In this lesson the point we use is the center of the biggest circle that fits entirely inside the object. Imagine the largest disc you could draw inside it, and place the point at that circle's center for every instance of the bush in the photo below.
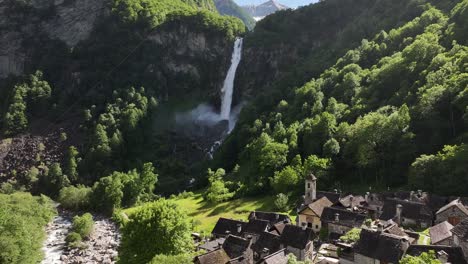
(73, 240)
(282, 202)
(22, 221)
(75, 198)
(83, 225)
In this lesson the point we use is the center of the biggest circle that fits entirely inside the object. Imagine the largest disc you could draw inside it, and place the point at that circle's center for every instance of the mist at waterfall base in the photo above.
(204, 121)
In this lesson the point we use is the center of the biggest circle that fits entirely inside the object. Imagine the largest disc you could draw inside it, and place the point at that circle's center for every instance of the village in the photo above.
(332, 227)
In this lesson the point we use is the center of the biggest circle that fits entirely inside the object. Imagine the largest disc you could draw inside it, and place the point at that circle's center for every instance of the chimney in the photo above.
(419, 193)
(249, 237)
(239, 228)
(411, 195)
(266, 251)
(366, 197)
(277, 217)
(228, 232)
(253, 215)
(399, 209)
(351, 198)
(335, 190)
(379, 228)
(337, 217)
(304, 226)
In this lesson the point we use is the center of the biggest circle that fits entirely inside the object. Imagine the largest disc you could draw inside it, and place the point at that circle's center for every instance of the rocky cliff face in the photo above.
(191, 59)
(67, 21)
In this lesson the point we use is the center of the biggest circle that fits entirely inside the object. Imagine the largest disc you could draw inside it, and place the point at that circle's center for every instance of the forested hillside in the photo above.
(390, 112)
(230, 8)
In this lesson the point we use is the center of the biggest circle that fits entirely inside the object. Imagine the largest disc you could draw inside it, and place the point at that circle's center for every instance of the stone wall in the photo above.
(454, 211)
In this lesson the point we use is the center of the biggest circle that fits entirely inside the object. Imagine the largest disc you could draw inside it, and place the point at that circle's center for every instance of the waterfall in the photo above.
(228, 87)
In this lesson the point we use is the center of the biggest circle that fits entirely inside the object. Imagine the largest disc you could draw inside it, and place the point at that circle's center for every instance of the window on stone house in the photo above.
(316, 226)
(308, 185)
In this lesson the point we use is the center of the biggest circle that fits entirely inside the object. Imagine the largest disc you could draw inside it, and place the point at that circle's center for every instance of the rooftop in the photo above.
(440, 232)
(346, 218)
(381, 246)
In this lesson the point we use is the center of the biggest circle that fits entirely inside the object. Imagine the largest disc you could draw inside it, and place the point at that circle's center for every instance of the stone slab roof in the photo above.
(346, 218)
(296, 237)
(381, 246)
(272, 217)
(455, 203)
(235, 246)
(215, 257)
(224, 224)
(269, 241)
(411, 210)
(440, 232)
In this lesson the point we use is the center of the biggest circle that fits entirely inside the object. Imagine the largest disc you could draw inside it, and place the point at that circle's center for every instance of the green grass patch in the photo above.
(205, 215)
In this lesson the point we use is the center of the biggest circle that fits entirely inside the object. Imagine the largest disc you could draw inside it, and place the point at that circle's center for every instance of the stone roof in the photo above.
(440, 232)
(214, 257)
(381, 246)
(461, 230)
(311, 177)
(279, 257)
(278, 228)
(256, 226)
(318, 206)
(236, 246)
(267, 240)
(223, 225)
(455, 203)
(333, 197)
(296, 237)
(272, 217)
(212, 245)
(455, 254)
(410, 210)
(346, 218)
(351, 201)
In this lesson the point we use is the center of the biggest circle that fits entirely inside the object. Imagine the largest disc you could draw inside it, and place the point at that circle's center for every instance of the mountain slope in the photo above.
(230, 8)
(106, 65)
(258, 12)
(363, 120)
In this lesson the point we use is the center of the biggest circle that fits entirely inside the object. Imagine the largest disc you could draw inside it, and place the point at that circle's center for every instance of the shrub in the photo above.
(73, 240)
(75, 198)
(282, 202)
(83, 225)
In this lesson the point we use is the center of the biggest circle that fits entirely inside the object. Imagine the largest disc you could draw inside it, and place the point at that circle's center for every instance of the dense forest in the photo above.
(390, 112)
(363, 93)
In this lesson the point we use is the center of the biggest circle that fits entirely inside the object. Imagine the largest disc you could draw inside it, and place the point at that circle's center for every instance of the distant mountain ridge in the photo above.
(230, 8)
(258, 12)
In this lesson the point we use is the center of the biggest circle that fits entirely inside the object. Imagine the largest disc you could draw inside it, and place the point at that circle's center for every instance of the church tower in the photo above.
(310, 188)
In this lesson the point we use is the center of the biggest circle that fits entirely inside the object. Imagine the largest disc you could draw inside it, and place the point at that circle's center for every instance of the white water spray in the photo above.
(228, 87)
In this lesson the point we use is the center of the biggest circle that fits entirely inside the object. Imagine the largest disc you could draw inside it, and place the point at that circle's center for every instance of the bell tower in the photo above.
(310, 188)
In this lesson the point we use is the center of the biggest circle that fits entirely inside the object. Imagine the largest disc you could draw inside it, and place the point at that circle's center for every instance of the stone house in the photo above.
(460, 236)
(441, 234)
(407, 213)
(454, 213)
(310, 214)
(377, 247)
(339, 221)
(298, 241)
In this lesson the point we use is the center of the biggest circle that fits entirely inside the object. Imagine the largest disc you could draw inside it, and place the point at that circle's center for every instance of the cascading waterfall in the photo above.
(228, 86)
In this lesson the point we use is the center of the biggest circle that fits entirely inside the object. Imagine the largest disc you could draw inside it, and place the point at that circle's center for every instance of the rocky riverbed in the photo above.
(100, 247)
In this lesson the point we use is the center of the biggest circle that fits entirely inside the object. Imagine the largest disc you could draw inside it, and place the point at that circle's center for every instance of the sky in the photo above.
(290, 3)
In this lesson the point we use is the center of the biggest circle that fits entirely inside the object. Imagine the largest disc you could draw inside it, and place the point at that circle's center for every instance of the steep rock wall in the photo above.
(65, 20)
